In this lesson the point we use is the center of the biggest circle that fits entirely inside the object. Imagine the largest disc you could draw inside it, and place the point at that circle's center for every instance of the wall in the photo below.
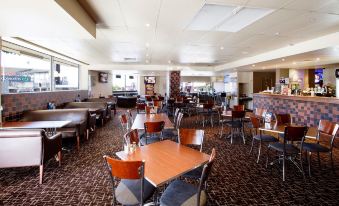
(297, 76)
(15, 104)
(98, 88)
(194, 79)
(83, 79)
(263, 79)
(329, 76)
(159, 87)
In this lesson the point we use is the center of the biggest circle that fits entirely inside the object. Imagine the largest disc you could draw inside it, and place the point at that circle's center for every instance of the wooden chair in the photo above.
(191, 137)
(179, 192)
(130, 117)
(158, 103)
(133, 189)
(239, 108)
(153, 132)
(141, 108)
(131, 137)
(148, 109)
(173, 133)
(287, 149)
(328, 130)
(283, 119)
(124, 123)
(237, 124)
(256, 122)
(207, 111)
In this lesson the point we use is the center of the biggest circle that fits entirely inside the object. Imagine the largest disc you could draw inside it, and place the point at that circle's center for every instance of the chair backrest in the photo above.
(132, 136)
(239, 108)
(329, 129)
(154, 127)
(132, 170)
(148, 109)
(179, 118)
(295, 133)
(191, 137)
(260, 112)
(238, 114)
(283, 118)
(205, 174)
(208, 106)
(148, 98)
(141, 107)
(130, 116)
(255, 122)
(177, 110)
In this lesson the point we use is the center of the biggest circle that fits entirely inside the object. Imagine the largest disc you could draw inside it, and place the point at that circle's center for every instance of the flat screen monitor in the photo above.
(318, 76)
(103, 77)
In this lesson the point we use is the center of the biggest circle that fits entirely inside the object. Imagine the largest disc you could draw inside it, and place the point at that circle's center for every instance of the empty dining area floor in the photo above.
(236, 178)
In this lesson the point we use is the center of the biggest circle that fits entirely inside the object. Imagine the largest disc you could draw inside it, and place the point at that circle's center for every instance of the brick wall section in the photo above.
(304, 112)
(174, 83)
(15, 104)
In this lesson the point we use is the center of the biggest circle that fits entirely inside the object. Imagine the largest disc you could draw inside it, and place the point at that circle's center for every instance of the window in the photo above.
(24, 70)
(66, 75)
(125, 82)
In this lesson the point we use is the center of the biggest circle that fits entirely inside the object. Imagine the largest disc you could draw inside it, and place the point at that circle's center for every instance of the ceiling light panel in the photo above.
(243, 18)
(209, 16)
(226, 18)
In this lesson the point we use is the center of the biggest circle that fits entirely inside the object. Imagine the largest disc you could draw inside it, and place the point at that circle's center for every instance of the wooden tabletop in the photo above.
(140, 119)
(273, 127)
(35, 124)
(166, 160)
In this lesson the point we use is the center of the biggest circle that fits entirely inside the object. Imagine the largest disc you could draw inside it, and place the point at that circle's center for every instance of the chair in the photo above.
(170, 106)
(173, 133)
(288, 150)
(158, 104)
(153, 132)
(179, 192)
(191, 137)
(207, 112)
(325, 129)
(148, 109)
(283, 119)
(260, 112)
(133, 188)
(237, 124)
(131, 137)
(141, 108)
(259, 137)
(130, 117)
(124, 123)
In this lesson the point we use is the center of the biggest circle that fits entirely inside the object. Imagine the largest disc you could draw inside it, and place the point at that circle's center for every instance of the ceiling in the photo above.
(155, 32)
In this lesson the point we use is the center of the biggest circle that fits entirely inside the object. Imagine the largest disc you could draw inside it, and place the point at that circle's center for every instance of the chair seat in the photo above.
(128, 192)
(314, 147)
(180, 193)
(278, 146)
(234, 124)
(67, 132)
(150, 140)
(265, 138)
(194, 174)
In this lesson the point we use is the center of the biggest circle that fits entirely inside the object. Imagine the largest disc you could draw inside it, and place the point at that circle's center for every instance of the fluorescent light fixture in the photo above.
(226, 18)
(209, 16)
(243, 18)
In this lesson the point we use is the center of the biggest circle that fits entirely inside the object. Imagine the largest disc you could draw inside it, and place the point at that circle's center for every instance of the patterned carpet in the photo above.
(236, 178)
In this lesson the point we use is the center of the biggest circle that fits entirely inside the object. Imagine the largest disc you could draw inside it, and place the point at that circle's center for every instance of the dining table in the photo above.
(166, 160)
(140, 119)
(273, 127)
(49, 126)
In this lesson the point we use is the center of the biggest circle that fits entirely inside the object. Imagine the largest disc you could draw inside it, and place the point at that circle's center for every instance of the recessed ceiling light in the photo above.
(147, 61)
(283, 59)
(317, 59)
(169, 61)
(263, 67)
(277, 33)
(147, 55)
(147, 25)
(147, 44)
(244, 52)
(294, 63)
(253, 65)
(221, 48)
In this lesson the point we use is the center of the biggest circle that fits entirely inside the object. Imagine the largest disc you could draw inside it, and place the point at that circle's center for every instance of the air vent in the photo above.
(129, 59)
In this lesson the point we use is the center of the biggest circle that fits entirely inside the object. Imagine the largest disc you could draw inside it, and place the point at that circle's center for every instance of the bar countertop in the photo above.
(330, 100)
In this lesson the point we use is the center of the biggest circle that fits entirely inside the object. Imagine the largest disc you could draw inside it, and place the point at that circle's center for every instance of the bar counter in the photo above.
(306, 110)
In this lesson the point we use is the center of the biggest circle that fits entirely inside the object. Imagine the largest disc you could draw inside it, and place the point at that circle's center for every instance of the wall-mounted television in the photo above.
(149, 80)
(103, 77)
(318, 79)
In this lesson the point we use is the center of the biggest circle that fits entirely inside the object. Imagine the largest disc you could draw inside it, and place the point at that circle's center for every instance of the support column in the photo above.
(174, 83)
